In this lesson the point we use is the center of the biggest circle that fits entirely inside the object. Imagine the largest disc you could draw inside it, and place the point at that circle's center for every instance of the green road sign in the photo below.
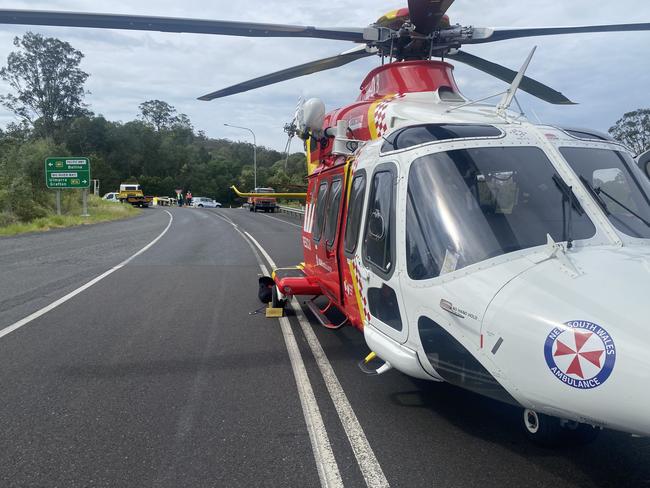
(68, 172)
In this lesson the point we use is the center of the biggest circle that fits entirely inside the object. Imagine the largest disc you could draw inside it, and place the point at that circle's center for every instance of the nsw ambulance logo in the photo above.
(580, 354)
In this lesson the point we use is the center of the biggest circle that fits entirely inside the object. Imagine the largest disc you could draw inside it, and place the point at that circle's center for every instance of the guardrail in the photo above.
(296, 212)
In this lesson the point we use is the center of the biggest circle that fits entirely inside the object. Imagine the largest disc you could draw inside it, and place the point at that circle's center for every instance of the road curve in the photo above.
(158, 376)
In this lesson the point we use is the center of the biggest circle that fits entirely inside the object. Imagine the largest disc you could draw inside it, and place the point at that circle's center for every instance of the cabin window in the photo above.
(470, 205)
(621, 191)
(383, 305)
(321, 206)
(378, 234)
(355, 207)
(333, 206)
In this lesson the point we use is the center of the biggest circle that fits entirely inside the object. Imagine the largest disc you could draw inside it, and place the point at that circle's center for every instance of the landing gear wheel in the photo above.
(542, 429)
(276, 301)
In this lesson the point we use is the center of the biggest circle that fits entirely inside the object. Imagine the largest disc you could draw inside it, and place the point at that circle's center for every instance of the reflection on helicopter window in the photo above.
(320, 211)
(414, 135)
(622, 193)
(470, 205)
(333, 207)
(355, 206)
(378, 221)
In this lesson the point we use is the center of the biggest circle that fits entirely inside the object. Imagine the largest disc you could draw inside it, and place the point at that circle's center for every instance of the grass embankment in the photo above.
(292, 203)
(99, 210)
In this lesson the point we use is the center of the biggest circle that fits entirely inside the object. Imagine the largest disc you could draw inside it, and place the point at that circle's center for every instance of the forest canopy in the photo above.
(160, 149)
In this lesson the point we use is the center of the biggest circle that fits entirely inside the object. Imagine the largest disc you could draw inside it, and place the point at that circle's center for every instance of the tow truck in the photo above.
(258, 202)
(132, 193)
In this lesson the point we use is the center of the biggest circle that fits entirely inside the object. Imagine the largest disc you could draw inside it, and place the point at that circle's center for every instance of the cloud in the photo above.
(606, 73)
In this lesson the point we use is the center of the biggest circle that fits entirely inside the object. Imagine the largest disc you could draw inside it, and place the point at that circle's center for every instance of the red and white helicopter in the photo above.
(468, 244)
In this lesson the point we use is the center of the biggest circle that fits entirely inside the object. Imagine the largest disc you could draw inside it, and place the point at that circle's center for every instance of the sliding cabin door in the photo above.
(330, 189)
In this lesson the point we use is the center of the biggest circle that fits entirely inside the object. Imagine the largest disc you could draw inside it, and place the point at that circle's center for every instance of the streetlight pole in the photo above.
(254, 152)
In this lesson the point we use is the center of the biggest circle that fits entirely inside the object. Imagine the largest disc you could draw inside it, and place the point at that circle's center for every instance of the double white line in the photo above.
(328, 469)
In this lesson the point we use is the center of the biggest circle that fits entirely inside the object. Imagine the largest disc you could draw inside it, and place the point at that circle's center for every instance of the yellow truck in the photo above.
(132, 193)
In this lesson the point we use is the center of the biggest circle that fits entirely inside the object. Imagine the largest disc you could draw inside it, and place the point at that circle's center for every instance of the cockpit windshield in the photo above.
(622, 194)
(468, 205)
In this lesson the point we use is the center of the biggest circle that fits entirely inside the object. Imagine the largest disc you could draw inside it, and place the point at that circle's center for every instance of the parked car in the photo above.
(204, 202)
(112, 197)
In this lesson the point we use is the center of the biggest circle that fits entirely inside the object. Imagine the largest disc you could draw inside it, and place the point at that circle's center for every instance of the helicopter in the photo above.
(468, 244)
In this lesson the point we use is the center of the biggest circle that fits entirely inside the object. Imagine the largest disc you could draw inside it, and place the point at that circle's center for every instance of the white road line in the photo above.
(370, 467)
(17, 325)
(223, 217)
(284, 221)
(328, 470)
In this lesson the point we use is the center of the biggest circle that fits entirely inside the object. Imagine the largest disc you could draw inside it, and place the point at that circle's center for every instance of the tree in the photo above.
(633, 130)
(44, 72)
(161, 115)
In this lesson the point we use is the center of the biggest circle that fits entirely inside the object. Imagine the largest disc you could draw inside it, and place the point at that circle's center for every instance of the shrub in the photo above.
(22, 201)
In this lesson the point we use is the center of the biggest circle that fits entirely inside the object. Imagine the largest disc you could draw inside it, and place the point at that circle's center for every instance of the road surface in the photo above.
(157, 375)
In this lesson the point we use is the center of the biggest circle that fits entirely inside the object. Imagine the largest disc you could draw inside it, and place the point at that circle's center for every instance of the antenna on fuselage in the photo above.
(509, 95)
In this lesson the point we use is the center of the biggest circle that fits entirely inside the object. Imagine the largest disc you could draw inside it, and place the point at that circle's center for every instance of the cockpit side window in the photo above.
(378, 239)
(469, 205)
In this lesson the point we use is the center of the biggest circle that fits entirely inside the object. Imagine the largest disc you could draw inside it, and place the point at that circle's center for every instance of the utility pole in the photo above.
(254, 151)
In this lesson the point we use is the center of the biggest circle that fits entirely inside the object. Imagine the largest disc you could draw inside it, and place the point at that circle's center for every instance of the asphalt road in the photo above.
(158, 376)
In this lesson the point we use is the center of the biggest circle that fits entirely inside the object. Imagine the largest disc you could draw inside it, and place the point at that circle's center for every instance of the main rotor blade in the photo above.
(489, 34)
(174, 24)
(528, 85)
(290, 73)
(427, 14)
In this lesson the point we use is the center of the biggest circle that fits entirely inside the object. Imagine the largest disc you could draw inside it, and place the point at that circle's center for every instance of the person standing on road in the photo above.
(188, 198)
(179, 197)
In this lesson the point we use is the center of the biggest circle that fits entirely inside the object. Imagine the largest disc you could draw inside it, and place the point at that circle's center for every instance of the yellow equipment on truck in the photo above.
(132, 193)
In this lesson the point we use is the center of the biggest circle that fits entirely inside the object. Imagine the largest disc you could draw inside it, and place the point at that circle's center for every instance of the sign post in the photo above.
(68, 172)
(85, 203)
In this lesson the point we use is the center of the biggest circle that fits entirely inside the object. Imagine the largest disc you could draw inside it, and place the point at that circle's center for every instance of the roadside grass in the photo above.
(99, 210)
(292, 203)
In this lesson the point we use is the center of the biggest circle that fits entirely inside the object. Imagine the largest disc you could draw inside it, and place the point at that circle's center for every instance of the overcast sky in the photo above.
(607, 74)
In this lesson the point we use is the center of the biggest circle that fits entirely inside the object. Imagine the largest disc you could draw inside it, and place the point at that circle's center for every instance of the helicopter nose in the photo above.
(577, 346)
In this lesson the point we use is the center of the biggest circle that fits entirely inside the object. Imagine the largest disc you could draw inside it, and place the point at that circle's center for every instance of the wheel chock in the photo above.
(274, 313)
